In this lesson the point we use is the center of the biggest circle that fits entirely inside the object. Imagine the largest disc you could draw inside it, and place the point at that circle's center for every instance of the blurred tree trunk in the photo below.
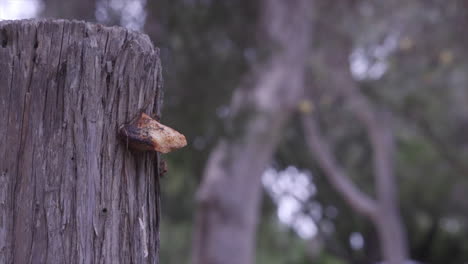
(70, 9)
(70, 191)
(383, 211)
(229, 195)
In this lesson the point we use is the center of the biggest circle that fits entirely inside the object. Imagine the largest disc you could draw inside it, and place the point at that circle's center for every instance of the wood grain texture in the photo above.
(70, 191)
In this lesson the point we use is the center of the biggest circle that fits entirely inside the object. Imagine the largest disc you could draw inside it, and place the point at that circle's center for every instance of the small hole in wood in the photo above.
(36, 44)
(107, 80)
(104, 210)
(4, 38)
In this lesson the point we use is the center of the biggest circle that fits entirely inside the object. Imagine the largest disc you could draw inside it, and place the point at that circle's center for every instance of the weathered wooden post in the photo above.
(70, 190)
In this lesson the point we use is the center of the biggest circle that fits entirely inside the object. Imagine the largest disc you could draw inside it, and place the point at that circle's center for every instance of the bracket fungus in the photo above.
(146, 134)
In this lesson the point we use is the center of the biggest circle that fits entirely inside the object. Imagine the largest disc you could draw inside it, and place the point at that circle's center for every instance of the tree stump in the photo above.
(70, 190)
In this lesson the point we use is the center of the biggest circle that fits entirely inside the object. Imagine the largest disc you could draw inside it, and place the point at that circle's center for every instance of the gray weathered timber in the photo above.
(70, 191)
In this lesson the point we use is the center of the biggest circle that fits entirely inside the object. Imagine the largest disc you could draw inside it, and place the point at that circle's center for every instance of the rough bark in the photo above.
(70, 191)
(229, 195)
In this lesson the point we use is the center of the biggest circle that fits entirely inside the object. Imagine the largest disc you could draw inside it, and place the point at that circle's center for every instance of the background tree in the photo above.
(230, 192)
(81, 10)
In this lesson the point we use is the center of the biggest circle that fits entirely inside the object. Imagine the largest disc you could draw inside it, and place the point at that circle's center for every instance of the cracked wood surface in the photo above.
(70, 191)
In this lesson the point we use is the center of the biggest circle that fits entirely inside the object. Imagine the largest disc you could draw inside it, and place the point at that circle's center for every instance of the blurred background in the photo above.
(320, 131)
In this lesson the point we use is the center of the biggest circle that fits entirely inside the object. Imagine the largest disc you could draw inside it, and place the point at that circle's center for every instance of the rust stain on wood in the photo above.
(145, 134)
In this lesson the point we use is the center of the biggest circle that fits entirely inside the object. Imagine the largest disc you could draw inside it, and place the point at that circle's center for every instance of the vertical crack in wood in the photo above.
(70, 192)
